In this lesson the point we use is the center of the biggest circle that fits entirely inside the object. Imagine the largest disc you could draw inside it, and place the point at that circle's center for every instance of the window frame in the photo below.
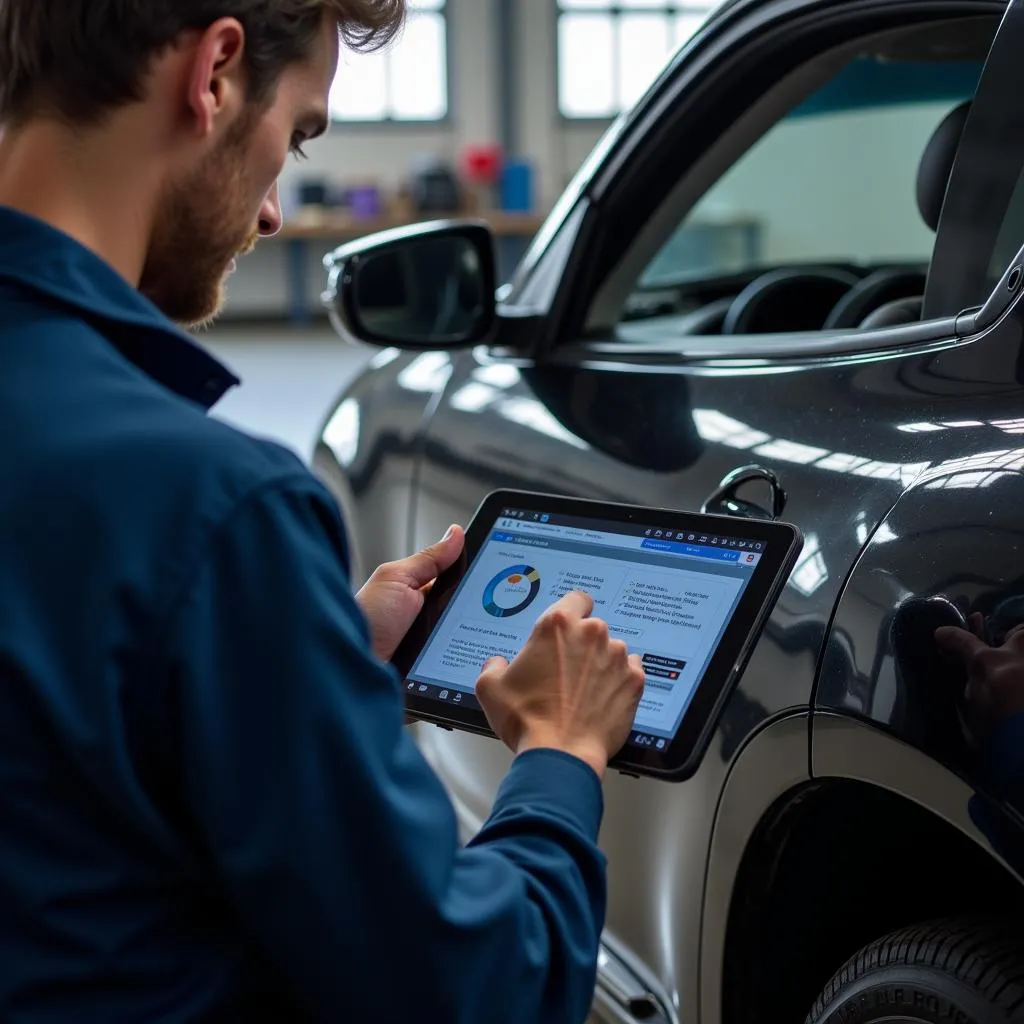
(391, 123)
(614, 10)
(986, 177)
(627, 181)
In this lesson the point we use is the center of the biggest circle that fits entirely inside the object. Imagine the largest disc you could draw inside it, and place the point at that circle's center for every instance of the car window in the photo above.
(828, 198)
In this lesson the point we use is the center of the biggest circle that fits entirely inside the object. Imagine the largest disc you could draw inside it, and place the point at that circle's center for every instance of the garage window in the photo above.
(408, 81)
(609, 53)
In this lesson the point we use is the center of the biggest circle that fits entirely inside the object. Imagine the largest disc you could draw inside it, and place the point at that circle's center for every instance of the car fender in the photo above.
(780, 776)
(774, 762)
(953, 545)
(844, 747)
(369, 448)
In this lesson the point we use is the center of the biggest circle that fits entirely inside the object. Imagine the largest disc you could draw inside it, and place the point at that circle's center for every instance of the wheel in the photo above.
(944, 972)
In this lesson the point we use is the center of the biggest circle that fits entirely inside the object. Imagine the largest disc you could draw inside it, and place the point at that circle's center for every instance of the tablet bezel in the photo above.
(681, 757)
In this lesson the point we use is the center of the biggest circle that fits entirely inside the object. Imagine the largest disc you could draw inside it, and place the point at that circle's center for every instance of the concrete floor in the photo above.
(290, 379)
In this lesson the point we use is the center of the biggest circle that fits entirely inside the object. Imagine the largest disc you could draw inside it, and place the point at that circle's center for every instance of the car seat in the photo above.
(895, 296)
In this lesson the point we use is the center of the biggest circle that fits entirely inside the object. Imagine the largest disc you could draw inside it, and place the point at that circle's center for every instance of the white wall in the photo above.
(555, 147)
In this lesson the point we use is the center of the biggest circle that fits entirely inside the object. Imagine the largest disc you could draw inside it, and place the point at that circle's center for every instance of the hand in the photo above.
(995, 675)
(571, 688)
(393, 596)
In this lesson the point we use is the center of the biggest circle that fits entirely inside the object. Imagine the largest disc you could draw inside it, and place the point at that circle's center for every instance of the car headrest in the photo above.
(937, 164)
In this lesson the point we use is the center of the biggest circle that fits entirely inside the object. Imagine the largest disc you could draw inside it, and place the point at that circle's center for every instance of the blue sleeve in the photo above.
(333, 838)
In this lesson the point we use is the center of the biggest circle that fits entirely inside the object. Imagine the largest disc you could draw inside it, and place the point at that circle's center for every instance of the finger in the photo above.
(495, 666)
(492, 671)
(425, 566)
(577, 603)
(960, 642)
(1015, 633)
(636, 666)
(977, 625)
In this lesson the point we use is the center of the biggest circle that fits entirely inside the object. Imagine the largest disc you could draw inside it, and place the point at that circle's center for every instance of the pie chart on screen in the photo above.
(511, 591)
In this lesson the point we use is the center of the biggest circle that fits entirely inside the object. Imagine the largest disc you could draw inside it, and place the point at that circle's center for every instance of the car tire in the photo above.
(945, 971)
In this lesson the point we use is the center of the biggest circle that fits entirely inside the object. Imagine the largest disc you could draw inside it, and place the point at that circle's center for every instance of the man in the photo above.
(209, 810)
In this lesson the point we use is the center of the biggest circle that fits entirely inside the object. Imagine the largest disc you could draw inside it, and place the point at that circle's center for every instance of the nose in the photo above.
(271, 218)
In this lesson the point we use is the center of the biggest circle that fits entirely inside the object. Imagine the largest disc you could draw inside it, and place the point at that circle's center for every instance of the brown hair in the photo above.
(79, 59)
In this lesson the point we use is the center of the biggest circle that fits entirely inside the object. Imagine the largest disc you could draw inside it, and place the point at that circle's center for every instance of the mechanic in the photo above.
(209, 808)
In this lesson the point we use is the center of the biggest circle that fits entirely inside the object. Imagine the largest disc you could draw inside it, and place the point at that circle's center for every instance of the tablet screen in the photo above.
(668, 595)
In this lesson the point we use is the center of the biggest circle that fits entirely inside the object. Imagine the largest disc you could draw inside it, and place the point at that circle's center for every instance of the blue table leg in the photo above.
(297, 281)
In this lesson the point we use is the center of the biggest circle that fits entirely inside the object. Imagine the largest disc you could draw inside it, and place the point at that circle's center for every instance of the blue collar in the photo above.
(39, 258)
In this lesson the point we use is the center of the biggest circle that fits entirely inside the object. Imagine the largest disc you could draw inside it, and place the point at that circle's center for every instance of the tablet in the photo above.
(689, 593)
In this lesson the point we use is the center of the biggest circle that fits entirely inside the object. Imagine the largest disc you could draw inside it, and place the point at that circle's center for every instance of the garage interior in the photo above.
(787, 298)
(507, 101)
(484, 124)
(524, 91)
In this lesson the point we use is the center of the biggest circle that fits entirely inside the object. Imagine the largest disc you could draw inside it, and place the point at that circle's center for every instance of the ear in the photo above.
(216, 78)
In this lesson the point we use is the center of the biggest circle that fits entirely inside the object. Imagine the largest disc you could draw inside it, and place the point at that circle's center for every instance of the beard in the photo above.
(202, 224)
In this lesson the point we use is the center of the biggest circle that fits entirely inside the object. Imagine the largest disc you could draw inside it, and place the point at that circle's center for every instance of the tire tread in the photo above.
(986, 956)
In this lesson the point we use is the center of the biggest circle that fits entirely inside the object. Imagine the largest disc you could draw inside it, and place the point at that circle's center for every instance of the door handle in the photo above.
(629, 997)
(724, 501)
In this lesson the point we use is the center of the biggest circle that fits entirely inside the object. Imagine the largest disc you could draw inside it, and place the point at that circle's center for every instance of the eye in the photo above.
(296, 146)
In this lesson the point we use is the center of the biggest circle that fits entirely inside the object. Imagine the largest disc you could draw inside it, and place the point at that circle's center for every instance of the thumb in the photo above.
(428, 564)
(960, 642)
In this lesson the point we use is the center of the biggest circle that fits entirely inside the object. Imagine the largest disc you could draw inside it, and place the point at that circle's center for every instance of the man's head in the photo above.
(220, 90)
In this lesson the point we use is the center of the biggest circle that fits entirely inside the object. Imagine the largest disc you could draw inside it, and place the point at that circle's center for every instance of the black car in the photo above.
(787, 284)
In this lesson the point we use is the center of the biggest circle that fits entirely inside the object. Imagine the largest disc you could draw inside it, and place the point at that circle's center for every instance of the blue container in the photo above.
(517, 187)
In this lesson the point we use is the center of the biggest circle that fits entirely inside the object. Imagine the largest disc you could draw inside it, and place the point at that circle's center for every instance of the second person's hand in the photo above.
(571, 688)
(995, 675)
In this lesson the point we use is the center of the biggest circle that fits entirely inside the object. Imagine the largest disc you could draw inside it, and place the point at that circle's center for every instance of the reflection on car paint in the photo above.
(903, 473)
(427, 373)
(341, 434)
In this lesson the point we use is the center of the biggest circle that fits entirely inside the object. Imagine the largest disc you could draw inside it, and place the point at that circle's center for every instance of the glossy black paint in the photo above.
(952, 545)
(672, 437)
(902, 465)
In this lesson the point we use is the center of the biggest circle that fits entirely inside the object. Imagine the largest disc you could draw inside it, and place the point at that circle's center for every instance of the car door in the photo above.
(604, 389)
(952, 546)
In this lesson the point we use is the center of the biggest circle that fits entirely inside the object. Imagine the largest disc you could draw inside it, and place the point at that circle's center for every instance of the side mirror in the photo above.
(430, 286)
